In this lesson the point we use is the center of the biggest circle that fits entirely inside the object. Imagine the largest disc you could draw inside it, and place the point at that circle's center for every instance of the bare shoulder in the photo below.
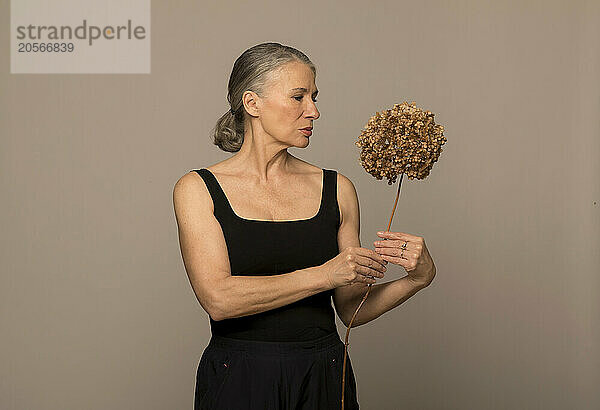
(344, 182)
(190, 188)
(190, 191)
(347, 197)
(306, 167)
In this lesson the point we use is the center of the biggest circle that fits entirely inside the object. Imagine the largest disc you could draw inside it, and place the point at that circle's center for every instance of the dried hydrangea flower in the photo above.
(404, 139)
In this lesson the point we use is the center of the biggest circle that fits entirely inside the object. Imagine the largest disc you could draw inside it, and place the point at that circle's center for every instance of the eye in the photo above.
(299, 98)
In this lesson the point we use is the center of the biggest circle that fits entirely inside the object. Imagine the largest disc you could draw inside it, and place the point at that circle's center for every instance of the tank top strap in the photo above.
(330, 195)
(220, 201)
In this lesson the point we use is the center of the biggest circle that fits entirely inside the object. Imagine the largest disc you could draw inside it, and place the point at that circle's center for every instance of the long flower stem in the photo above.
(363, 299)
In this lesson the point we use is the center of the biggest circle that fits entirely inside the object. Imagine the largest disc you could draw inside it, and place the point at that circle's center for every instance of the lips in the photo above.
(306, 132)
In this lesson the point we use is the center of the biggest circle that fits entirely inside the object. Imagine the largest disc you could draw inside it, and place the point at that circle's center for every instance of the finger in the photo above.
(370, 253)
(405, 263)
(397, 235)
(371, 263)
(397, 252)
(360, 278)
(394, 243)
(368, 271)
(366, 279)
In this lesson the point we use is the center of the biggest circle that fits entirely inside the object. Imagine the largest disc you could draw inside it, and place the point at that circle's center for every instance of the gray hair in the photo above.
(251, 71)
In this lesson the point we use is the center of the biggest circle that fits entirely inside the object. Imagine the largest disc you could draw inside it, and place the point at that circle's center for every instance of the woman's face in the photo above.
(288, 104)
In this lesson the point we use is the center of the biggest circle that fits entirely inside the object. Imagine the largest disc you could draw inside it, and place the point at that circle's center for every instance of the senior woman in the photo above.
(268, 240)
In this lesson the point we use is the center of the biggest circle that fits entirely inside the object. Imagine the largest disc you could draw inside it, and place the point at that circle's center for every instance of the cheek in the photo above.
(281, 121)
(275, 124)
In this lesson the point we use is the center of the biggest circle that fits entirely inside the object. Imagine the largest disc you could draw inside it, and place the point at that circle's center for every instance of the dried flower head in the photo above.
(404, 139)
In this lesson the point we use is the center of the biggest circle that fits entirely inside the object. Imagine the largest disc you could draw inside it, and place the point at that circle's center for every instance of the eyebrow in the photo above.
(304, 89)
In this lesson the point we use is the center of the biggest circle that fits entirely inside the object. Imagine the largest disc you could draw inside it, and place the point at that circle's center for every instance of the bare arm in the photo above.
(246, 295)
(382, 297)
(204, 253)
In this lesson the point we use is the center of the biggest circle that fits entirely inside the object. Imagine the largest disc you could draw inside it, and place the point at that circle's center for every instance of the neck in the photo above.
(262, 157)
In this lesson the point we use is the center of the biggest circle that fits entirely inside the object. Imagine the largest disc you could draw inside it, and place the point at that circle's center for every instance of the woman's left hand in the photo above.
(408, 251)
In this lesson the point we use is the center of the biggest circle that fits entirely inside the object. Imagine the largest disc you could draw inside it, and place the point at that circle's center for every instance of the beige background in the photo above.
(96, 309)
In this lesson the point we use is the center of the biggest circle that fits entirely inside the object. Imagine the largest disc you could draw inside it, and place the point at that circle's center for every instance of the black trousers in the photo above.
(236, 374)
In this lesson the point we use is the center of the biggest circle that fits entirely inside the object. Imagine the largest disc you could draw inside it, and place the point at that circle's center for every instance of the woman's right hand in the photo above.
(354, 264)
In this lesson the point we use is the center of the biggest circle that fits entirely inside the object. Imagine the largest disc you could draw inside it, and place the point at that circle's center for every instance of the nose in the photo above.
(312, 110)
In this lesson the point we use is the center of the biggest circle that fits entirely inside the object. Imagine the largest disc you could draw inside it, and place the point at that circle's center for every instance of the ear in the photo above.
(251, 102)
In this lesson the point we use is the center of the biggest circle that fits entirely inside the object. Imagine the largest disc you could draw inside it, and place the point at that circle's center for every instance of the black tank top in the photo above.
(262, 248)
